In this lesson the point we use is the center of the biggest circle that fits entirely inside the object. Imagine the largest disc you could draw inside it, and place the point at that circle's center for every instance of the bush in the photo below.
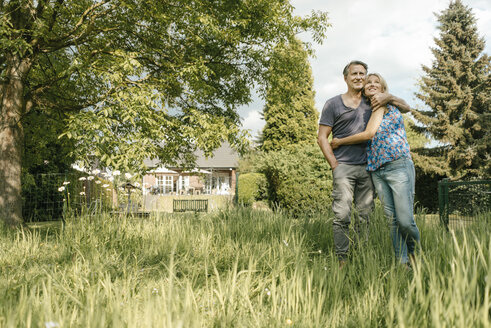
(252, 187)
(299, 179)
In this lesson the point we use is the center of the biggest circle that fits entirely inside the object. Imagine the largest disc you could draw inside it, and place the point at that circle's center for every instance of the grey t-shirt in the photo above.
(346, 121)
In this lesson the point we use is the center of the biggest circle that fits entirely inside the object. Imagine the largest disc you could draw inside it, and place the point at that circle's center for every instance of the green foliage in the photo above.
(239, 268)
(416, 139)
(299, 179)
(457, 90)
(290, 113)
(252, 187)
(145, 79)
(43, 151)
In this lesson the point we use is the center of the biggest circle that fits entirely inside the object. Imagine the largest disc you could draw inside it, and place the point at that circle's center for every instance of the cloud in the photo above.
(253, 122)
(393, 37)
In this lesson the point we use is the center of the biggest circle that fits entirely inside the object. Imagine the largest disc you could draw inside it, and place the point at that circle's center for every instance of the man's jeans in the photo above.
(394, 182)
(350, 182)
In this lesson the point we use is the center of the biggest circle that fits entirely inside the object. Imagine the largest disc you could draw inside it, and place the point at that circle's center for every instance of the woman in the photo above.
(391, 167)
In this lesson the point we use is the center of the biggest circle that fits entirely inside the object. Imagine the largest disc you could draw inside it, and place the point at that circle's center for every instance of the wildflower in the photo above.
(319, 251)
(62, 188)
(284, 242)
(90, 177)
(111, 179)
(105, 185)
(98, 182)
(66, 183)
(116, 173)
(96, 172)
(82, 179)
(51, 324)
(82, 193)
(155, 291)
(127, 175)
(268, 293)
(46, 162)
(325, 268)
(137, 184)
(288, 322)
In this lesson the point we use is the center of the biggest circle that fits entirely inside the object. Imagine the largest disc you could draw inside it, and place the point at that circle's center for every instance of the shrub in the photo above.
(299, 179)
(252, 186)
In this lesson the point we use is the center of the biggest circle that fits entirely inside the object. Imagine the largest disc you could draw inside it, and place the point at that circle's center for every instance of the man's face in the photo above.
(356, 77)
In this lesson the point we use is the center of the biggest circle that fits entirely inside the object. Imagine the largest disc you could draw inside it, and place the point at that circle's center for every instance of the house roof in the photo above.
(223, 157)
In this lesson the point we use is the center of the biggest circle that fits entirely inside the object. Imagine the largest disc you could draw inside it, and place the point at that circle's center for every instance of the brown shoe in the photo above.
(342, 263)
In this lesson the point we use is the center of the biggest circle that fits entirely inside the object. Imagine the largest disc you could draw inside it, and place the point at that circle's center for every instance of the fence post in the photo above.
(236, 197)
(443, 201)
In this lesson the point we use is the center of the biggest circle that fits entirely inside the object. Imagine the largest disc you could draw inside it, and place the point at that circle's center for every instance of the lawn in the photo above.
(238, 268)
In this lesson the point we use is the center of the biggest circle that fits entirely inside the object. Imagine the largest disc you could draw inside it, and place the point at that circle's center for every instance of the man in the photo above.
(345, 115)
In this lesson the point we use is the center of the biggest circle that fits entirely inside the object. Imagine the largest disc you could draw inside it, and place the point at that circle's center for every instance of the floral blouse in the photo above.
(390, 141)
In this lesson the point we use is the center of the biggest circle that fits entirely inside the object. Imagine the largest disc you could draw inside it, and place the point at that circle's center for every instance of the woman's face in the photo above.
(373, 86)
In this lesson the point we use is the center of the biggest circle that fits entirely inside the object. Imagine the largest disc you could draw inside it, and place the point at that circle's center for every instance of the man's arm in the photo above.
(322, 140)
(382, 99)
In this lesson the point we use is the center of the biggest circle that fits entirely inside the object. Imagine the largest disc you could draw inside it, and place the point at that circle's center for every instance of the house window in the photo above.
(183, 183)
(218, 184)
(169, 184)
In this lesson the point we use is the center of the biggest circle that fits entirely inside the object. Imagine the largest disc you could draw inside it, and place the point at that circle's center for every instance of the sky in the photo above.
(392, 36)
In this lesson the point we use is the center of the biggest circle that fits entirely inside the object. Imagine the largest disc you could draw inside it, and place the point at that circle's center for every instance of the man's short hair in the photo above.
(354, 62)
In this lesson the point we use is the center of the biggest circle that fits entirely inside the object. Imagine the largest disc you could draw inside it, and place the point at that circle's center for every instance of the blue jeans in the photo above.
(394, 182)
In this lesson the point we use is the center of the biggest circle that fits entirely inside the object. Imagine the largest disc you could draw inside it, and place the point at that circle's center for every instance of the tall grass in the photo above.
(238, 268)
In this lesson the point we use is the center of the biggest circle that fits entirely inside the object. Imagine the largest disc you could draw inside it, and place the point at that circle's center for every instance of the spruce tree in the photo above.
(290, 114)
(457, 90)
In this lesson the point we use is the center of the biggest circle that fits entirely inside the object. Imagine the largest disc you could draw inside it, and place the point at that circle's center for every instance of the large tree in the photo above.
(289, 112)
(457, 91)
(135, 78)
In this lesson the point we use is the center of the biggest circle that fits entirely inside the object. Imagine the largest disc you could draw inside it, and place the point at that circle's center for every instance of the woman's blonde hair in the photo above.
(382, 81)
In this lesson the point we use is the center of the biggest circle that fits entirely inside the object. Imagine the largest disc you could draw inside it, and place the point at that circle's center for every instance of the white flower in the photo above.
(96, 172)
(51, 324)
(98, 182)
(320, 251)
(105, 185)
(62, 188)
(46, 162)
(284, 242)
(82, 179)
(82, 193)
(90, 177)
(127, 175)
(116, 173)
(66, 183)
(137, 184)
(111, 179)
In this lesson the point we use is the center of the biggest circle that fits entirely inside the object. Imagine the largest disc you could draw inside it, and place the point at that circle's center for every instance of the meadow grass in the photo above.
(238, 268)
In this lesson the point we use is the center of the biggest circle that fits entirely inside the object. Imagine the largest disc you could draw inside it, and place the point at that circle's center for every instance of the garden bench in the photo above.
(194, 205)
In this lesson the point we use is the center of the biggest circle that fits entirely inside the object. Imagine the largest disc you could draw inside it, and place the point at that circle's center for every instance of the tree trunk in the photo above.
(11, 141)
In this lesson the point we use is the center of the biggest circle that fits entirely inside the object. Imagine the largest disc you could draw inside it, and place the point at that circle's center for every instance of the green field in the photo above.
(238, 268)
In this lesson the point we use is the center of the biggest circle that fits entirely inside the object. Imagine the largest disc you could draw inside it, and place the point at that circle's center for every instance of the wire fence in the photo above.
(464, 202)
(53, 196)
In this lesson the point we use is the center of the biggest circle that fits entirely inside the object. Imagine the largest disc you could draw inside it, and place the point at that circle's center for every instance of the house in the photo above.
(212, 176)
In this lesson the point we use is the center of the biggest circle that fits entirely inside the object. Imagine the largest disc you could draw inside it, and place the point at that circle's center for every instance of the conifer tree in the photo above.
(290, 114)
(457, 90)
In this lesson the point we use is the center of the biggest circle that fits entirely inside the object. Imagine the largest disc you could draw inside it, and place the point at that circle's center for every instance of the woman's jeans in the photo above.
(394, 182)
